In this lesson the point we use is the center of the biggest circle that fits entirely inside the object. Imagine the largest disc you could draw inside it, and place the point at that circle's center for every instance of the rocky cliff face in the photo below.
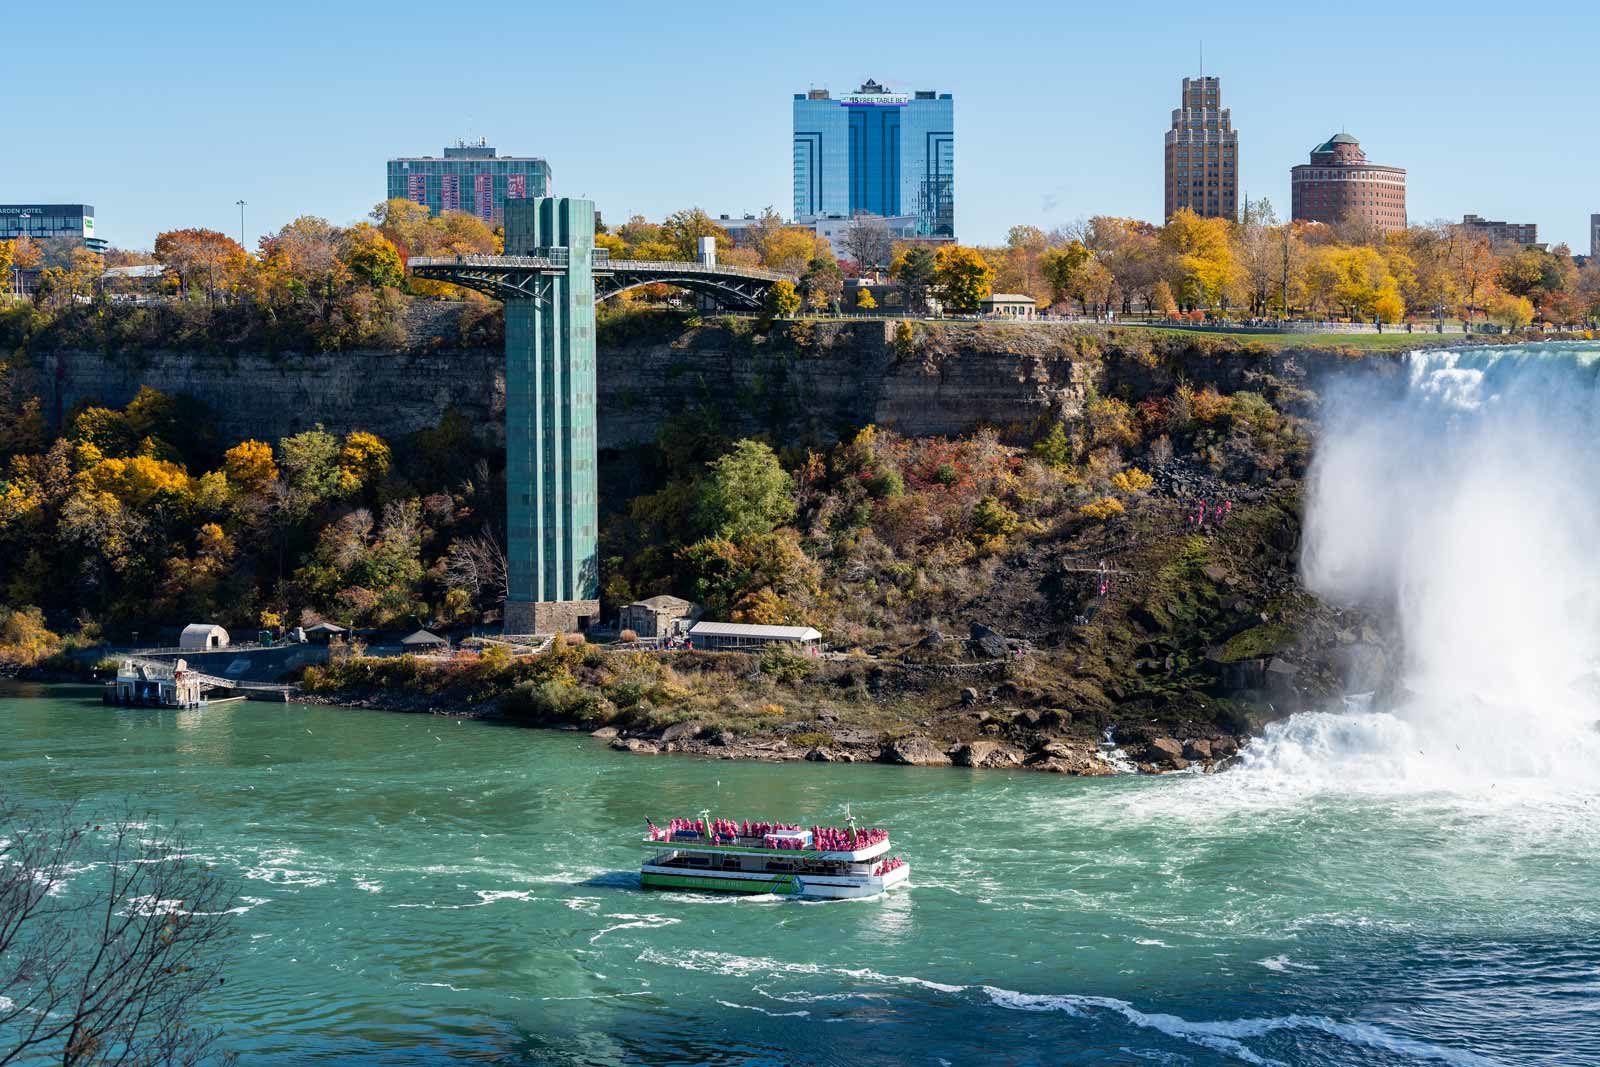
(800, 381)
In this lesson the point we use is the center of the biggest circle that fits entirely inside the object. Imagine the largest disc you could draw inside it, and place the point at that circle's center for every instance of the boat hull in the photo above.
(800, 887)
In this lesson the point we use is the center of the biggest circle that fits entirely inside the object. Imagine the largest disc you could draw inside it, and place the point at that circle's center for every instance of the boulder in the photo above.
(969, 697)
(634, 744)
(1162, 750)
(605, 733)
(986, 754)
(1086, 767)
(1198, 749)
(682, 731)
(1057, 750)
(1028, 720)
(987, 642)
(915, 751)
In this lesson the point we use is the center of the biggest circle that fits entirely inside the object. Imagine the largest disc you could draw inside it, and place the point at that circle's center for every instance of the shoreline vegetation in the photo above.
(1116, 554)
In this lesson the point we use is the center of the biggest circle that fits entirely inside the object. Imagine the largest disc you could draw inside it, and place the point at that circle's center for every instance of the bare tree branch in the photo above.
(110, 937)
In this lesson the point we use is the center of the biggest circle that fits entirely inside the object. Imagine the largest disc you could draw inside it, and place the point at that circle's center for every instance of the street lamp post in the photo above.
(241, 221)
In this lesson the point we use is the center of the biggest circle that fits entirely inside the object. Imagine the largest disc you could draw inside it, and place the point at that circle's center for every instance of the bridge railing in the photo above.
(557, 258)
(691, 266)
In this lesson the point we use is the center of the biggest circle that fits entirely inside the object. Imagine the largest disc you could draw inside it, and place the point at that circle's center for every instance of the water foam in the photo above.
(1226, 1036)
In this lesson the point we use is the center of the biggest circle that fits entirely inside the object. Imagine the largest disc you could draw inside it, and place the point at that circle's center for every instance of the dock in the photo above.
(149, 682)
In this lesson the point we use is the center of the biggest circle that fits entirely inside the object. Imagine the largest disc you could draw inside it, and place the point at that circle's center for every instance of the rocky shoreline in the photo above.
(1027, 740)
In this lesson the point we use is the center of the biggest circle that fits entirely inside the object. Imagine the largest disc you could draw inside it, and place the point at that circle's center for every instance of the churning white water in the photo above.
(1464, 502)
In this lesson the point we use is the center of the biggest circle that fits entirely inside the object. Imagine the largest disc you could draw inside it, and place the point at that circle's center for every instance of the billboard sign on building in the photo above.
(517, 187)
(876, 99)
(484, 191)
(417, 188)
(450, 193)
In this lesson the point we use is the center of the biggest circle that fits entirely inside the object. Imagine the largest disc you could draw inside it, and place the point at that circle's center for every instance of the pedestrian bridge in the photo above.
(525, 277)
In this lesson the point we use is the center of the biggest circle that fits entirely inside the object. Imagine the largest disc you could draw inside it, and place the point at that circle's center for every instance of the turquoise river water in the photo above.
(418, 890)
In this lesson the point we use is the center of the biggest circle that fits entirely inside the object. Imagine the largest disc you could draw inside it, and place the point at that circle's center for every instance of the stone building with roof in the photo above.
(659, 616)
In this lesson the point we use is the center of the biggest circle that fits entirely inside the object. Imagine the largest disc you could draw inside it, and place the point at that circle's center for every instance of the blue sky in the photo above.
(163, 114)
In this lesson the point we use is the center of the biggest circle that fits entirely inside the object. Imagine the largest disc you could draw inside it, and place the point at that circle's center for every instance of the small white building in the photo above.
(202, 636)
(735, 636)
(1009, 306)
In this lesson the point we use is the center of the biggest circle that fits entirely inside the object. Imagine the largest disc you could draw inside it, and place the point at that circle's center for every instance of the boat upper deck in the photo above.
(725, 836)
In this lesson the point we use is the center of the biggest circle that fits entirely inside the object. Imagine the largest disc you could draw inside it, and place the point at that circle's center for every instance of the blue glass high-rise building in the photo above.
(876, 152)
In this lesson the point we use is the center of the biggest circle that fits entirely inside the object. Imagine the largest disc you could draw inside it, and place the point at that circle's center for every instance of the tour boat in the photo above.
(707, 855)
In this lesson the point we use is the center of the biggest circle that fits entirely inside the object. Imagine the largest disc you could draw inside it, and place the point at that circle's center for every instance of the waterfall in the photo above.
(1464, 503)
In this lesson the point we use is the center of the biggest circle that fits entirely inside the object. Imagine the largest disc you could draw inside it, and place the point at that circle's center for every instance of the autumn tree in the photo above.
(914, 268)
(249, 466)
(1061, 267)
(363, 460)
(301, 263)
(1130, 249)
(781, 301)
(202, 259)
(1205, 273)
(371, 257)
(961, 278)
(682, 231)
(822, 284)
(1511, 311)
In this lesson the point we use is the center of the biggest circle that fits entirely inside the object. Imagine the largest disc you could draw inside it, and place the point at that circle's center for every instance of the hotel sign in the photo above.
(876, 99)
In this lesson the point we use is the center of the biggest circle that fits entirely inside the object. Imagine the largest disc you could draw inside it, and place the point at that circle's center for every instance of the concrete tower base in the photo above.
(550, 616)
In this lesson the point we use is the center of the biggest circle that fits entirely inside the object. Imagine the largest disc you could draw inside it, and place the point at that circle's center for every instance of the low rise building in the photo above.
(659, 616)
(1521, 234)
(1009, 306)
(738, 636)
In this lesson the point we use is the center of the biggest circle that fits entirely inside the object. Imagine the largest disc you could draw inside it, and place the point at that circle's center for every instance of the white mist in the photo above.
(1465, 503)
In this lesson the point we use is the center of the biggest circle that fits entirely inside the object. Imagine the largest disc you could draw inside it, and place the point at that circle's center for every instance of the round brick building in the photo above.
(1340, 184)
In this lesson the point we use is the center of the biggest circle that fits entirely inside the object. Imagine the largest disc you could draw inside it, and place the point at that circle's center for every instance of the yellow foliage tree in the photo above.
(1131, 481)
(1102, 509)
(24, 637)
(363, 459)
(1206, 272)
(1512, 312)
(864, 301)
(962, 277)
(249, 466)
(137, 480)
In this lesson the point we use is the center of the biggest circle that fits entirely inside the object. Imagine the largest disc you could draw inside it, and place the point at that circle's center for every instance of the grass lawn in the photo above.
(1359, 342)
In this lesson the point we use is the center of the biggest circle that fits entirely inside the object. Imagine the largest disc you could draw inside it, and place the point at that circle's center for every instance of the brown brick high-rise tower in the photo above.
(1202, 153)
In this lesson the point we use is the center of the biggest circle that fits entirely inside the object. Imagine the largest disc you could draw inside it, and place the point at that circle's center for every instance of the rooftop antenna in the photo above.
(1202, 59)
